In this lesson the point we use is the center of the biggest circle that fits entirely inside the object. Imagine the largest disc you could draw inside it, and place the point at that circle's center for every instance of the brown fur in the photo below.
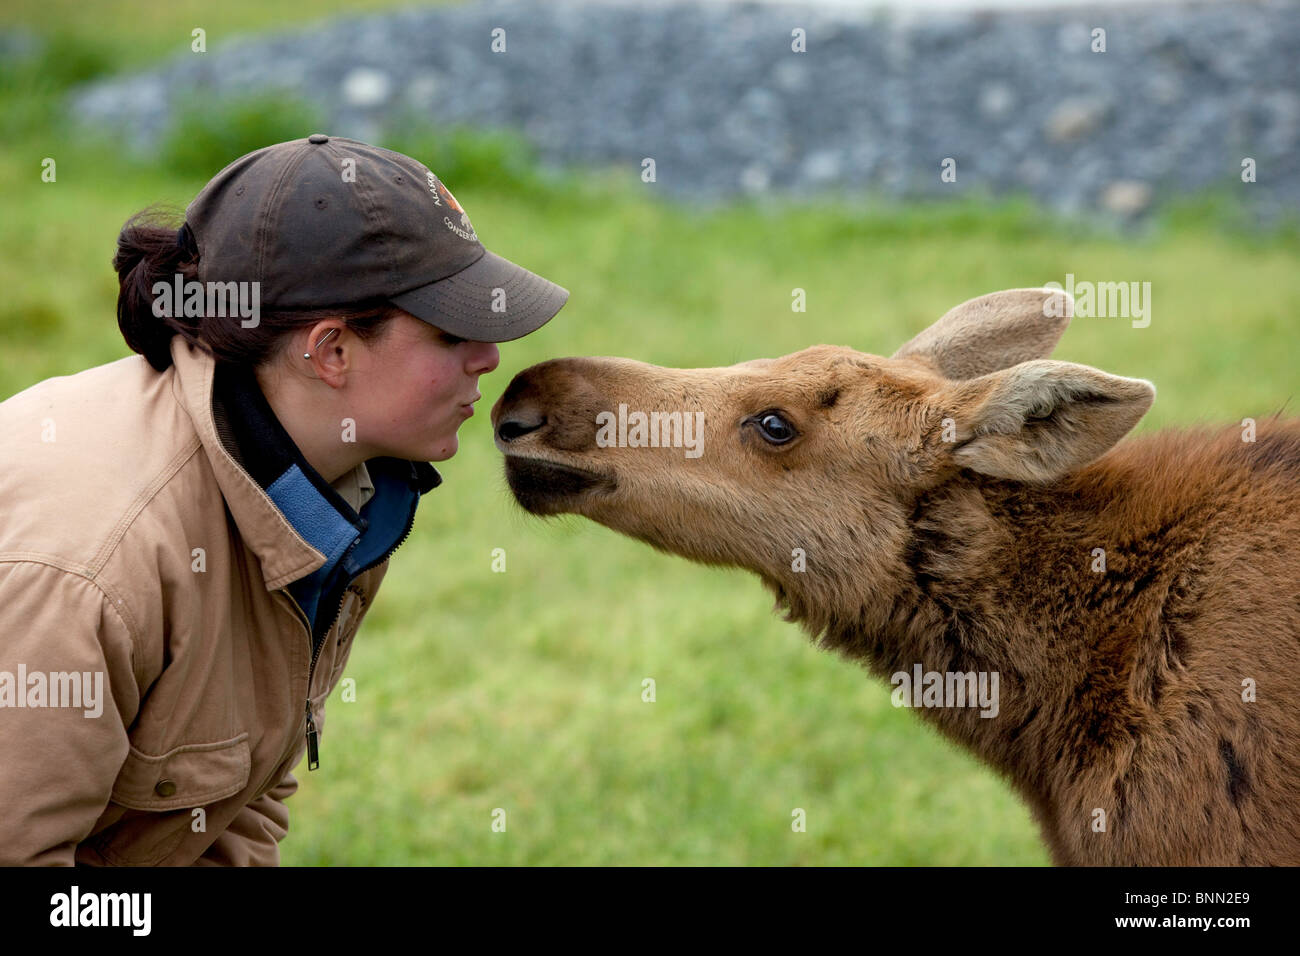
(948, 501)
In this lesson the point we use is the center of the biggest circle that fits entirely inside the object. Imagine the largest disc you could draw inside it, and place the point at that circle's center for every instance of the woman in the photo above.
(191, 539)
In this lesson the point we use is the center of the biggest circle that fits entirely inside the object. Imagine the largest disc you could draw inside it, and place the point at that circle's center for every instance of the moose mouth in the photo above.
(546, 487)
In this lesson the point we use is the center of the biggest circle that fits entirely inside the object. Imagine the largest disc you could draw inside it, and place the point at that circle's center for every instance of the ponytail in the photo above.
(149, 251)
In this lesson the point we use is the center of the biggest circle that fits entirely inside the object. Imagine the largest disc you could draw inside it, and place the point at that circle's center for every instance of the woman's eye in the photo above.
(451, 340)
(774, 428)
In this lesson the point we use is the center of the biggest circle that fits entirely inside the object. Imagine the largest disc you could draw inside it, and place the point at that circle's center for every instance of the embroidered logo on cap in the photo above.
(442, 196)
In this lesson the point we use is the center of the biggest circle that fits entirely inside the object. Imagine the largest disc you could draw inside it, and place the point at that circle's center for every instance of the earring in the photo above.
(307, 355)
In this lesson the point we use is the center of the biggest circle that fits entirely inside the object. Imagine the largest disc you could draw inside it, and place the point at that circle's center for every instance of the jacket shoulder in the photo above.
(84, 454)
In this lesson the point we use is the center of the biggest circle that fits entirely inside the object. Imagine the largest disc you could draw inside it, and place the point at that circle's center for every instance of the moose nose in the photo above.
(518, 424)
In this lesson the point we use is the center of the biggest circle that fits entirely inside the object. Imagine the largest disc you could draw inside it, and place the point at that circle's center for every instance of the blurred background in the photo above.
(775, 168)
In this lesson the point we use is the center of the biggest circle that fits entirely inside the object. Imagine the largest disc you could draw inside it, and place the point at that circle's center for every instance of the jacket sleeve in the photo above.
(63, 739)
(253, 837)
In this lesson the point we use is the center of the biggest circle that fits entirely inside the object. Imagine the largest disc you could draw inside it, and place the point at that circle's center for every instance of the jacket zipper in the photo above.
(313, 742)
(313, 745)
(313, 753)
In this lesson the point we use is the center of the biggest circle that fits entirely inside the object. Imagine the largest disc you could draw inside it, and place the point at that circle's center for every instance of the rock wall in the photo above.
(719, 97)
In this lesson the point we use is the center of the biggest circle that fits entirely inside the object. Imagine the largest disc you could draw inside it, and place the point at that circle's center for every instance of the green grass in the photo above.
(522, 690)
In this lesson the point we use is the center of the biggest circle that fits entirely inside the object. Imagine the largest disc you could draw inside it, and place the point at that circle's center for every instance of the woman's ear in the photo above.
(1039, 420)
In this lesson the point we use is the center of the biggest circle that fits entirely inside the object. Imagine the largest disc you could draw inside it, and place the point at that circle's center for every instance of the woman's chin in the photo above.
(444, 449)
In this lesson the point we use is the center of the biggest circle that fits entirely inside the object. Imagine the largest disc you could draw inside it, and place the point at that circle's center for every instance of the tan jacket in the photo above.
(111, 481)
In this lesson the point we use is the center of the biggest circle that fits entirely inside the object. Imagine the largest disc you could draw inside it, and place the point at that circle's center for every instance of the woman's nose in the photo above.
(484, 358)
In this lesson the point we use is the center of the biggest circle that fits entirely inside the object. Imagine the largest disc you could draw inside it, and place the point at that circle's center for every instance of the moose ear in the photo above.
(1040, 420)
(992, 332)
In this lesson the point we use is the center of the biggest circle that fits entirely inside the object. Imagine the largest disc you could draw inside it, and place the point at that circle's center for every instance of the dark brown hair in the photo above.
(152, 249)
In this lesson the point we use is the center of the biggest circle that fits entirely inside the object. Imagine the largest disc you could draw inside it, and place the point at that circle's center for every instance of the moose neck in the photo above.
(1048, 588)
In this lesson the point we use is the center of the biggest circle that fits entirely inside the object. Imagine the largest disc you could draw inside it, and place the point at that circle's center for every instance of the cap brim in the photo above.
(490, 300)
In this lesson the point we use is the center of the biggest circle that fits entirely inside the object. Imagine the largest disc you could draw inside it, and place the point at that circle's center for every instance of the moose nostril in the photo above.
(513, 428)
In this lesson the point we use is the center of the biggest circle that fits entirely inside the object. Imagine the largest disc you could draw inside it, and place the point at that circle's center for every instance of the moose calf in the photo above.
(964, 506)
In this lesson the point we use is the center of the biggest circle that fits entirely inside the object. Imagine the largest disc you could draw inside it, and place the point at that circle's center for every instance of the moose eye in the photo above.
(774, 428)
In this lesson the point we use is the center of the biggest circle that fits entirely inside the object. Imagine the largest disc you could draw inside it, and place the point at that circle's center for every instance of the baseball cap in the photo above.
(327, 221)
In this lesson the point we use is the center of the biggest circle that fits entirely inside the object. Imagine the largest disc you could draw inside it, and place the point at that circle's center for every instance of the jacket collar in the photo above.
(248, 458)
